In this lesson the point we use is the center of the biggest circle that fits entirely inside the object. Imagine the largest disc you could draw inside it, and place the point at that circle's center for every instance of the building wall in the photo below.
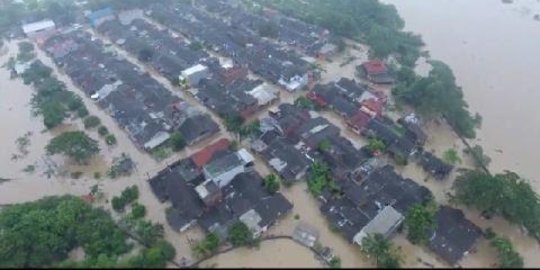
(226, 178)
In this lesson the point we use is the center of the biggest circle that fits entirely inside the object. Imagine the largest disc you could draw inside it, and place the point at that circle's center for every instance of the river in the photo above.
(491, 48)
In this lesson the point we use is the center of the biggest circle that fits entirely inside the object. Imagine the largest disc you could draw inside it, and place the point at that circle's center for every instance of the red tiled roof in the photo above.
(202, 157)
(359, 120)
(374, 105)
(317, 99)
(374, 67)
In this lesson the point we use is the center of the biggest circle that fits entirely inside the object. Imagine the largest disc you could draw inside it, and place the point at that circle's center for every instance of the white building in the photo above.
(385, 223)
(223, 170)
(295, 82)
(193, 75)
(35, 28)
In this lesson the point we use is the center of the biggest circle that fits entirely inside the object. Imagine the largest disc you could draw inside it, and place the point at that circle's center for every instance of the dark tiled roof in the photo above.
(454, 235)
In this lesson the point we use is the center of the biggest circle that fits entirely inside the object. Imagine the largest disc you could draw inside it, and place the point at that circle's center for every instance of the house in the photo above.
(358, 121)
(264, 94)
(305, 234)
(293, 79)
(187, 207)
(434, 165)
(228, 75)
(96, 18)
(386, 222)
(245, 200)
(414, 132)
(193, 75)
(288, 161)
(223, 169)
(127, 16)
(202, 157)
(209, 193)
(37, 28)
(197, 128)
(376, 72)
(454, 236)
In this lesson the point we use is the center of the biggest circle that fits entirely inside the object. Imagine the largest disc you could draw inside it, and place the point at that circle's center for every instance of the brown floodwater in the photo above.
(492, 48)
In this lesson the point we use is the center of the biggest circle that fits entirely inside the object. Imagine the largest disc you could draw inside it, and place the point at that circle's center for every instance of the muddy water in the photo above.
(275, 254)
(492, 49)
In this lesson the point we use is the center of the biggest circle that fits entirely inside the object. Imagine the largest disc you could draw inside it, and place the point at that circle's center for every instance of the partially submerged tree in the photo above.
(505, 194)
(507, 255)
(239, 234)
(420, 222)
(271, 183)
(74, 144)
(381, 250)
(451, 156)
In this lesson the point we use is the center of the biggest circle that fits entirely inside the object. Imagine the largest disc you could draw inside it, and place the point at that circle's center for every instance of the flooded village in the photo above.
(209, 113)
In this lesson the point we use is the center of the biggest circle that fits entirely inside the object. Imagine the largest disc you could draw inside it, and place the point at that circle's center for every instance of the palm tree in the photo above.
(375, 245)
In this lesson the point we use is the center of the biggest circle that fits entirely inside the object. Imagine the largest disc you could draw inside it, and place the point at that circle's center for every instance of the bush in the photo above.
(118, 204)
(239, 234)
(102, 131)
(82, 112)
(110, 139)
(138, 211)
(177, 141)
(91, 122)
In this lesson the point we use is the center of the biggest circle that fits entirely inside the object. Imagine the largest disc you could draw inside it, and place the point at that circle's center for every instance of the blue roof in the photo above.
(100, 13)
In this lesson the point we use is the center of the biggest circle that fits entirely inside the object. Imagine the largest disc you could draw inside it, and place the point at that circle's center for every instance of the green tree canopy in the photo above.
(508, 256)
(42, 233)
(381, 250)
(239, 234)
(271, 183)
(177, 141)
(505, 194)
(420, 221)
(375, 145)
(438, 96)
(73, 144)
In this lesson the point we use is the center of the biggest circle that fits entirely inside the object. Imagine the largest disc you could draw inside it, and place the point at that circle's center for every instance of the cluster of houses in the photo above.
(218, 187)
(273, 63)
(368, 196)
(305, 38)
(167, 54)
(146, 110)
(362, 108)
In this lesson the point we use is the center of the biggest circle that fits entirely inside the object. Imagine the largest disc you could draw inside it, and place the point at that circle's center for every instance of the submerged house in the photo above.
(376, 72)
(435, 166)
(454, 235)
(193, 75)
(222, 170)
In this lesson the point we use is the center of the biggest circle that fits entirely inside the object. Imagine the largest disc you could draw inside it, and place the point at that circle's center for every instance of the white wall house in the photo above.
(35, 28)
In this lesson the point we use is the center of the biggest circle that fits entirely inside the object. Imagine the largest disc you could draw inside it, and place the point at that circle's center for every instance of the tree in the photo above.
(271, 183)
(177, 141)
(304, 103)
(505, 194)
(148, 232)
(479, 157)
(319, 178)
(239, 234)
(42, 233)
(420, 221)
(375, 145)
(130, 194)
(103, 131)
(325, 145)
(36, 72)
(74, 144)
(376, 246)
(118, 204)
(451, 156)
(91, 122)
(438, 96)
(138, 211)
(145, 55)
(268, 29)
(508, 257)
(155, 256)
(110, 139)
(335, 262)
(207, 246)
